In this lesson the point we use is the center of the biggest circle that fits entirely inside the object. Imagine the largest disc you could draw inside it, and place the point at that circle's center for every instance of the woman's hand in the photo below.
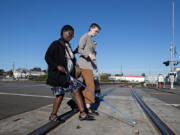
(61, 69)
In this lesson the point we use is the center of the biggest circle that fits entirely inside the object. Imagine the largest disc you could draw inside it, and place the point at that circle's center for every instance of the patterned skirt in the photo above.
(59, 90)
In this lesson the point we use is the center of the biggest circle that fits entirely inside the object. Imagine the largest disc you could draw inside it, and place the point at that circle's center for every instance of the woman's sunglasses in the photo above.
(70, 34)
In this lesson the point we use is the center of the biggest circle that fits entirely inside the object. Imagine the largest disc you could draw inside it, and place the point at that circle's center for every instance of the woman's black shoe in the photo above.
(87, 117)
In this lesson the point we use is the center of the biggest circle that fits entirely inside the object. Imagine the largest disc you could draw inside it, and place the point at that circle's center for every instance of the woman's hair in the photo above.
(66, 28)
(93, 25)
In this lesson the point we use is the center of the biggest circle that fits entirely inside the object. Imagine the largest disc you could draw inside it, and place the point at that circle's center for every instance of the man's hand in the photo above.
(92, 56)
(61, 69)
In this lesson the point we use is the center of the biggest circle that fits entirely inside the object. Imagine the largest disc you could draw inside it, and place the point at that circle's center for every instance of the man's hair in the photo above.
(66, 28)
(93, 25)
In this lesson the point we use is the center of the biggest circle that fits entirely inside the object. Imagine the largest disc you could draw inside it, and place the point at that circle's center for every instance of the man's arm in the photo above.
(82, 45)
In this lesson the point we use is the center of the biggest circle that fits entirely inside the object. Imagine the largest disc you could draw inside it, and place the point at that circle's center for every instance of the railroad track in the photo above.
(51, 125)
(160, 125)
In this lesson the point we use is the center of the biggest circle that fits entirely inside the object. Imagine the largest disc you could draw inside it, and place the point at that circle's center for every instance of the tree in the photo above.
(143, 74)
(36, 69)
(119, 74)
(10, 73)
(1, 71)
(45, 71)
(105, 77)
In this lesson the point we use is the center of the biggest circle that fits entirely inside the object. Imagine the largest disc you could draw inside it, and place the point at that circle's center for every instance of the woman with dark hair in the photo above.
(61, 62)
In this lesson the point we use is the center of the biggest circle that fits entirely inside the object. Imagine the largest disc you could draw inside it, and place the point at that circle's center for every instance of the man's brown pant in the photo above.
(89, 82)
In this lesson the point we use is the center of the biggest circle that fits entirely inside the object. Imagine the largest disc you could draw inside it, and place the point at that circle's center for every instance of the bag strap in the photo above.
(63, 44)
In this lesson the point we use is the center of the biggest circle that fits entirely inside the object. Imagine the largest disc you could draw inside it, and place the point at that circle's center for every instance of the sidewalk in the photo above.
(25, 123)
(109, 122)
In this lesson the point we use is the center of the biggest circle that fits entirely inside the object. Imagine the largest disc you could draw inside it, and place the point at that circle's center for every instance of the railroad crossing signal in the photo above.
(166, 63)
(176, 63)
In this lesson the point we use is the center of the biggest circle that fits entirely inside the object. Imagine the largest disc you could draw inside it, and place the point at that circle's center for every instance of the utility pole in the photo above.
(121, 70)
(13, 68)
(172, 73)
(171, 62)
(172, 42)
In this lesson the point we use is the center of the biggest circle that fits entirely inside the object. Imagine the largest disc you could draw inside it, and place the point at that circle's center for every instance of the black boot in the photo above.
(93, 112)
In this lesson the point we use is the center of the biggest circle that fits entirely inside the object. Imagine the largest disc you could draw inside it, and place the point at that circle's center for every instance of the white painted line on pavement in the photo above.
(176, 105)
(28, 95)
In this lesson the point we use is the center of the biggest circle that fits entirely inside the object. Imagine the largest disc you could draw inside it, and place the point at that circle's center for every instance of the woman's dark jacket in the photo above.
(56, 56)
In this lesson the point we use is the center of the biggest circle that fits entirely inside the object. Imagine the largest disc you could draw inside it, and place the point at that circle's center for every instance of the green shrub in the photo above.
(41, 78)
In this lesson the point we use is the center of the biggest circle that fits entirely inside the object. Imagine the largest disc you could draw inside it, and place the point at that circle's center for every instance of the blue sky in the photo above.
(135, 35)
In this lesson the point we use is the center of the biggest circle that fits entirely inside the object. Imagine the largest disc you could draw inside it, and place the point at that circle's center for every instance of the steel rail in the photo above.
(164, 129)
(52, 124)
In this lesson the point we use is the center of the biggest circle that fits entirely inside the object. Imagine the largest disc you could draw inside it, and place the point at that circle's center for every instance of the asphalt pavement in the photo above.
(29, 105)
(17, 97)
(169, 96)
(20, 97)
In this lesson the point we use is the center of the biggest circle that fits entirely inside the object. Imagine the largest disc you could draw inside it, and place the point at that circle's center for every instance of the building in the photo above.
(177, 79)
(21, 73)
(155, 80)
(127, 78)
(24, 73)
(37, 73)
(177, 75)
(177, 69)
